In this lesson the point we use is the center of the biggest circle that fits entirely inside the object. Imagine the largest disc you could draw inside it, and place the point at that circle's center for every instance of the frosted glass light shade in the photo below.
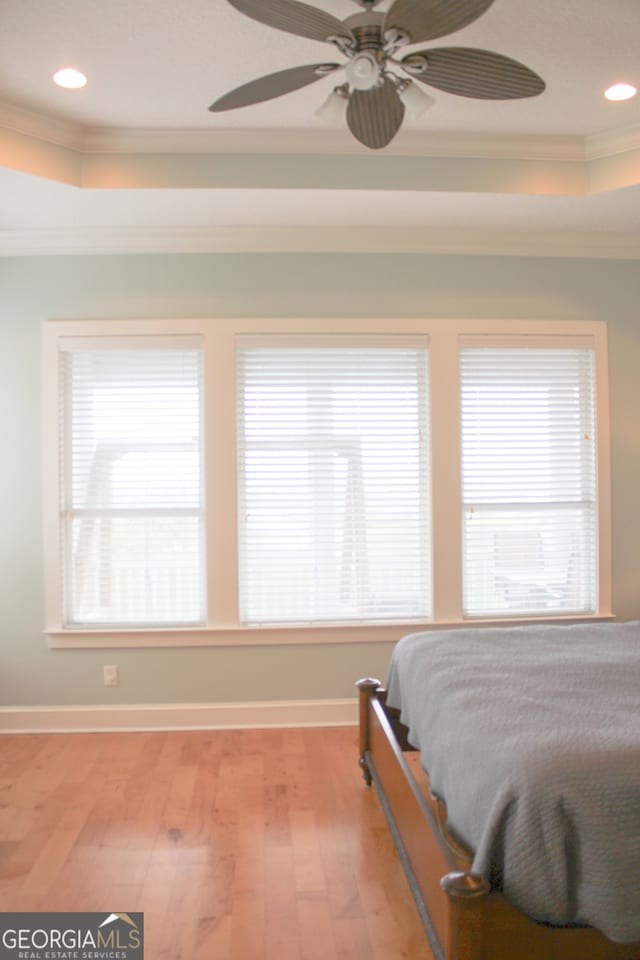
(416, 101)
(333, 111)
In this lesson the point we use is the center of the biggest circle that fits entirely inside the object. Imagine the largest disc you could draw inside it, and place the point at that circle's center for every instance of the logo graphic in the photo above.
(119, 916)
(71, 936)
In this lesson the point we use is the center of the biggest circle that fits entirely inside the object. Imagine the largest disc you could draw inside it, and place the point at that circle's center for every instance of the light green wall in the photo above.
(34, 289)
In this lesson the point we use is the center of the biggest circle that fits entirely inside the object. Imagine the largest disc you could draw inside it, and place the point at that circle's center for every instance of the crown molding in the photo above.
(54, 130)
(316, 140)
(312, 140)
(611, 143)
(336, 142)
(285, 240)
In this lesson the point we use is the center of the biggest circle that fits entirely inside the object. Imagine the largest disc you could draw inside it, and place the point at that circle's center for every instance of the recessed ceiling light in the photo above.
(621, 91)
(69, 78)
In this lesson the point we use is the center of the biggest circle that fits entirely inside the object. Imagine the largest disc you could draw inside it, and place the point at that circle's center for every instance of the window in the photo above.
(529, 477)
(260, 481)
(334, 517)
(131, 483)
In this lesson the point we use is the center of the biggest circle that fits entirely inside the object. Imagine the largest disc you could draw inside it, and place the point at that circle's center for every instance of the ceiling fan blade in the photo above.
(375, 116)
(273, 85)
(429, 19)
(468, 72)
(294, 17)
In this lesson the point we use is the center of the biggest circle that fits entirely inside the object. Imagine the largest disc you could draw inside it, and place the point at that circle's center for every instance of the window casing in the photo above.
(233, 438)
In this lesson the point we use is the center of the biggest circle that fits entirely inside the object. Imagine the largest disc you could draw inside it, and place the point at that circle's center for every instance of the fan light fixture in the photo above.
(363, 71)
(375, 98)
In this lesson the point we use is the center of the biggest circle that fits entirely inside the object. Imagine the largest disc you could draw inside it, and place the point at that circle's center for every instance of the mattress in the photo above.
(531, 736)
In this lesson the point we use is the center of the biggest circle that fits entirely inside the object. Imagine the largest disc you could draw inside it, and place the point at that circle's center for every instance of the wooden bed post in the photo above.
(467, 893)
(367, 687)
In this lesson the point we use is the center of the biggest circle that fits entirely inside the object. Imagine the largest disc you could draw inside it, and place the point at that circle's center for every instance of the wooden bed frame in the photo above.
(463, 918)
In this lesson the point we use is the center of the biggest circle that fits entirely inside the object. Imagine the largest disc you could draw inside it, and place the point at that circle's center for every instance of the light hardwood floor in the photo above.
(236, 845)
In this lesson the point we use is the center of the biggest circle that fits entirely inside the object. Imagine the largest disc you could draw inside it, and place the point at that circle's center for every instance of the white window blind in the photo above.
(334, 500)
(529, 479)
(131, 482)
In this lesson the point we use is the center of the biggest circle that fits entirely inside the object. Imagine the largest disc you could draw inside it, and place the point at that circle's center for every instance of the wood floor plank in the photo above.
(236, 845)
(282, 931)
(7, 849)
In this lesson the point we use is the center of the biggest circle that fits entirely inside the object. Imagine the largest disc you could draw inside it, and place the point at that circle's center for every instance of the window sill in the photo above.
(59, 639)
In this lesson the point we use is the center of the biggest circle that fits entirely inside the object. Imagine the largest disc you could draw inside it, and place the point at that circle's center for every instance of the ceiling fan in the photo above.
(374, 98)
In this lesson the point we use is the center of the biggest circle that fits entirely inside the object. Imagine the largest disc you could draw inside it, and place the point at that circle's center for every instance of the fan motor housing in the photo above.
(367, 29)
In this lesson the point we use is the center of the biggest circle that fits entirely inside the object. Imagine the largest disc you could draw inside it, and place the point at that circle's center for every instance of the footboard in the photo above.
(463, 918)
(451, 902)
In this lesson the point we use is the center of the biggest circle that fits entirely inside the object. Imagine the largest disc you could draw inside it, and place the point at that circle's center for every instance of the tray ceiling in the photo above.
(136, 161)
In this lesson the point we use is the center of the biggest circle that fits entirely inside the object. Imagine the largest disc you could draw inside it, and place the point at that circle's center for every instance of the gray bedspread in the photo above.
(531, 735)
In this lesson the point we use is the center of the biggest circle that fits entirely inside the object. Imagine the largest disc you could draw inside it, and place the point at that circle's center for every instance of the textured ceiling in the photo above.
(154, 66)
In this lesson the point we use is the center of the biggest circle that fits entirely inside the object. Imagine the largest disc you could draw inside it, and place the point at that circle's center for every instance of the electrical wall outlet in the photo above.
(111, 678)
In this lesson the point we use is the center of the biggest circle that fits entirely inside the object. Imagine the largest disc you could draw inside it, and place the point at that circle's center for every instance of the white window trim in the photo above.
(219, 338)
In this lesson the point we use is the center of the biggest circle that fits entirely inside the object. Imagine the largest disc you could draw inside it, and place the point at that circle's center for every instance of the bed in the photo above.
(520, 828)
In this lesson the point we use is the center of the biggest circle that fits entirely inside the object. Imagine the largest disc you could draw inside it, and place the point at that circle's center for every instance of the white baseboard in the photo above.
(178, 716)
